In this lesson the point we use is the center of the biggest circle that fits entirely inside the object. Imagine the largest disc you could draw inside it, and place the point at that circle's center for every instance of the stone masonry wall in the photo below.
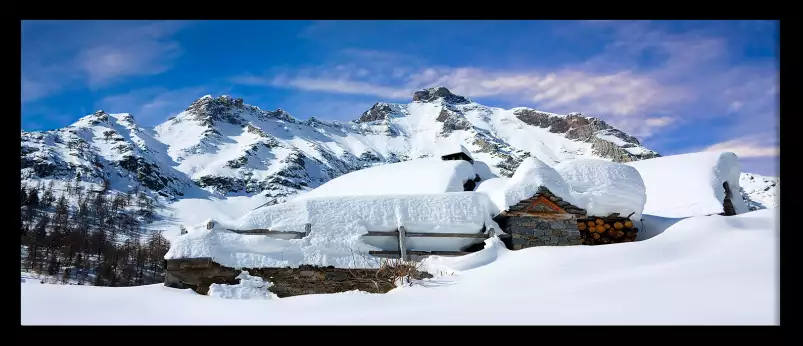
(199, 273)
(529, 231)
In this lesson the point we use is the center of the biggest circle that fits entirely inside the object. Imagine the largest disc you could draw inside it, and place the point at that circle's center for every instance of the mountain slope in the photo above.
(102, 147)
(229, 148)
(760, 192)
(220, 147)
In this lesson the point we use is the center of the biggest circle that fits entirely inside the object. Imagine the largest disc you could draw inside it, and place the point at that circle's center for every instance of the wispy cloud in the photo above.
(755, 146)
(687, 79)
(93, 53)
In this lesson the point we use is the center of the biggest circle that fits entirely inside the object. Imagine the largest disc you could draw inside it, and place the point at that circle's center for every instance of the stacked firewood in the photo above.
(606, 230)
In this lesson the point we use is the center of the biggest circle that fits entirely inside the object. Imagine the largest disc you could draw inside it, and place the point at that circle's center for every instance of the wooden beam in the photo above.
(265, 232)
(421, 253)
(550, 216)
(402, 243)
(426, 235)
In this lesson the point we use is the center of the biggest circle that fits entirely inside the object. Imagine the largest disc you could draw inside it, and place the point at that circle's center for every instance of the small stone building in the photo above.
(543, 219)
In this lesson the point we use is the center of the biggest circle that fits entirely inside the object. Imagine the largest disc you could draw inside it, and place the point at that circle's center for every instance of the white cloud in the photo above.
(60, 55)
(659, 122)
(748, 147)
(343, 86)
(689, 78)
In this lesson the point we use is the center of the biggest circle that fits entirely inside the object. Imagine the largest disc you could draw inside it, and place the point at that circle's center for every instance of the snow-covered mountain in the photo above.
(760, 192)
(226, 147)
(102, 147)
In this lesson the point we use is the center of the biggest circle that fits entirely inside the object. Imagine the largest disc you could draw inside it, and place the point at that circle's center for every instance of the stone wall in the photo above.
(529, 231)
(199, 273)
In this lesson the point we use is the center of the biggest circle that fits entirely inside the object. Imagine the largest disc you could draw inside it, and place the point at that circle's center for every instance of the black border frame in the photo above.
(324, 10)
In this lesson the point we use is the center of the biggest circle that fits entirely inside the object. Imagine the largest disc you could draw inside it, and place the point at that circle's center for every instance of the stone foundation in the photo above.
(529, 231)
(199, 273)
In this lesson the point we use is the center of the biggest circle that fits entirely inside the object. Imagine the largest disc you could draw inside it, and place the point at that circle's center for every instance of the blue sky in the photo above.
(678, 86)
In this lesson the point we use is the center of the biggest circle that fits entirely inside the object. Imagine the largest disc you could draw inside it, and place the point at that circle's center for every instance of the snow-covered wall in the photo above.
(690, 184)
(337, 227)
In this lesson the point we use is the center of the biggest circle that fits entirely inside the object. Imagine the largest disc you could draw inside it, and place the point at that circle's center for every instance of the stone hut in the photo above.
(575, 202)
(543, 219)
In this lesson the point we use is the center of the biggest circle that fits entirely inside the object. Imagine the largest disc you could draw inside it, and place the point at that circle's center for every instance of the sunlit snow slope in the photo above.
(707, 270)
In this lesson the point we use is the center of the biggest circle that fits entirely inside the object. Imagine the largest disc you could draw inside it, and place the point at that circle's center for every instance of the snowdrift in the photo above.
(337, 226)
(604, 187)
(700, 271)
(690, 184)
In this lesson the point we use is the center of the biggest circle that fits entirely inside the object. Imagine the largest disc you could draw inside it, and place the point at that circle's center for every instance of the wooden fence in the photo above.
(401, 234)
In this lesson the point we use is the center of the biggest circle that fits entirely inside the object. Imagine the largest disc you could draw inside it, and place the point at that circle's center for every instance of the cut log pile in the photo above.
(606, 230)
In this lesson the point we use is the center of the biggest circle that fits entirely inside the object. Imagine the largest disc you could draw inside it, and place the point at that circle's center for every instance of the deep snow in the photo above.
(690, 184)
(600, 187)
(421, 176)
(603, 187)
(702, 270)
(529, 176)
(337, 226)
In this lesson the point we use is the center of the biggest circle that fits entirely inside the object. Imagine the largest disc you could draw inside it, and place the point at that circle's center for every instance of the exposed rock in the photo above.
(432, 94)
(535, 118)
(452, 122)
(379, 111)
(577, 127)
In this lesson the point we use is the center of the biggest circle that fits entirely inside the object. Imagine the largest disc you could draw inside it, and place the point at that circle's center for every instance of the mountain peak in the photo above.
(438, 92)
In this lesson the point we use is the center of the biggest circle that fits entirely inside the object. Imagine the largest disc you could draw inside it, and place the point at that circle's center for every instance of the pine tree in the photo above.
(61, 215)
(31, 205)
(105, 186)
(47, 197)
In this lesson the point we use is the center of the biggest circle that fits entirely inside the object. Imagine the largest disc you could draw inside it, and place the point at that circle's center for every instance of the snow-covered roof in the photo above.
(603, 187)
(600, 187)
(482, 169)
(337, 224)
(690, 184)
(421, 176)
(529, 176)
(454, 148)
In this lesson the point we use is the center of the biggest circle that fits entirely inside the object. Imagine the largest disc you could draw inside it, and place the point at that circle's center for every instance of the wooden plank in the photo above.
(265, 232)
(402, 243)
(421, 253)
(549, 216)
(426, 235)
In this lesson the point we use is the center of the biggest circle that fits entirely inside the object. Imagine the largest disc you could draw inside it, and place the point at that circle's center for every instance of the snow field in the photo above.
(690, 184)
(700, 271)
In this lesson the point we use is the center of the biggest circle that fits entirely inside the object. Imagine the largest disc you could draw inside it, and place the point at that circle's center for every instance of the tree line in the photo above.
(87, 236)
